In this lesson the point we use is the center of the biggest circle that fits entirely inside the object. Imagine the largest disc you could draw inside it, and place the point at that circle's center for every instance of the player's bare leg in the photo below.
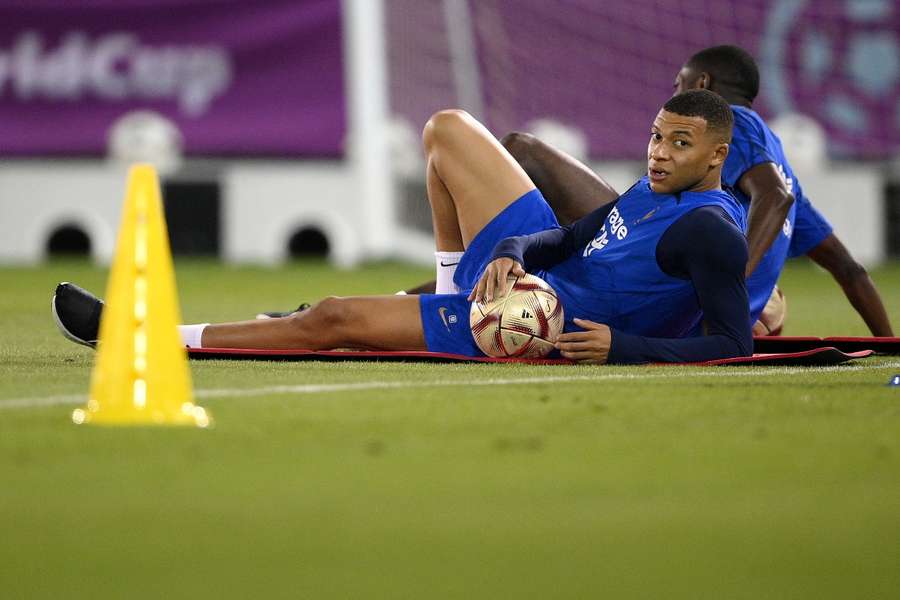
(369, 322)
(447, 237)
(476, 174)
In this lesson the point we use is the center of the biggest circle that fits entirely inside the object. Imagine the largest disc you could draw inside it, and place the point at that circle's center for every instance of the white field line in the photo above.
(320, 388)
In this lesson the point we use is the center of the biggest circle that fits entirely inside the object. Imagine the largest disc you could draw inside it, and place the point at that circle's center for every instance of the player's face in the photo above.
(682, 155)
(688, 78)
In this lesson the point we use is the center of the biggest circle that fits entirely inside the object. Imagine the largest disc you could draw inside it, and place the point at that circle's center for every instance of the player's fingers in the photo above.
(575, 336)
(585, 324)
(582, 356)
(490, 282)
(502, 281)
(473, 295)
(517, 270)
(588, 349)
(576, 346)
(479, 290)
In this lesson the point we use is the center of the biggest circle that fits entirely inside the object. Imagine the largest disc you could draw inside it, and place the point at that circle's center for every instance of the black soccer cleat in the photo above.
(77, 314)
(280, 315)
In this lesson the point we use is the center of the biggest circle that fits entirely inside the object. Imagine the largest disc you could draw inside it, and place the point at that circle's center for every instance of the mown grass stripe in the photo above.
(318, 388)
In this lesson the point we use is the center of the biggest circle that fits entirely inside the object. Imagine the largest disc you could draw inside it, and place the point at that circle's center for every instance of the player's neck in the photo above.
(737, 100)
(731, 96)
(712, 182)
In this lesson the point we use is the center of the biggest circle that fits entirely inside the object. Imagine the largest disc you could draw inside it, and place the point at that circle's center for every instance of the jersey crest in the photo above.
(616, 227)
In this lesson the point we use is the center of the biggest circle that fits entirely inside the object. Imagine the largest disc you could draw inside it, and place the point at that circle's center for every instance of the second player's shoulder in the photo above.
(750, 128)
(752, 142)
(747, 118)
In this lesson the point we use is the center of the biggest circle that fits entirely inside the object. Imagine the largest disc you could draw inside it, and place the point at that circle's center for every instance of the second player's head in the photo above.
(689, 143)
(726, 70)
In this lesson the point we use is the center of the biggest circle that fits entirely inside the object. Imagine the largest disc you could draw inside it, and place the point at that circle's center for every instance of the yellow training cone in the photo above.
(141, 376)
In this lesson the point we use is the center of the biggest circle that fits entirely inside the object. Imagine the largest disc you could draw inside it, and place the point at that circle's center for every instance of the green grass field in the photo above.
(447, 481)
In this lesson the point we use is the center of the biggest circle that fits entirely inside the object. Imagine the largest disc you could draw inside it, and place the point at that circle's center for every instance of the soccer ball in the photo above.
(524, 323)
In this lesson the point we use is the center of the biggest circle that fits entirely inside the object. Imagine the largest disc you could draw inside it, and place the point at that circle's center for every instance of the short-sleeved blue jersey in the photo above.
(616, 279)
(752, 143)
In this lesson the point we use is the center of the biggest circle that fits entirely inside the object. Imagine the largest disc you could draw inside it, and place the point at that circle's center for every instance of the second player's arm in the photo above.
(856, 283)
(770, 202)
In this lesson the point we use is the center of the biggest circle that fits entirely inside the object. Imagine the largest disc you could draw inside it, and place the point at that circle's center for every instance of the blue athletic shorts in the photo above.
(810, 228)
(445, 317)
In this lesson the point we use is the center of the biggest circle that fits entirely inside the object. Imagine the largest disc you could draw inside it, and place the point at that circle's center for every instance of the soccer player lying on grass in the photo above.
(782, 223)
(634, 276)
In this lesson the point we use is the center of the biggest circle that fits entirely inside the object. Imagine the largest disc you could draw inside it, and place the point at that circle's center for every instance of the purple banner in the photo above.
(605, 68)
(236, 77)
(266, 77)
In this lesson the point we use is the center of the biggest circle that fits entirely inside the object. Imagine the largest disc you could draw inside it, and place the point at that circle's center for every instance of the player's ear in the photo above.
(720, 154)
(704, 81)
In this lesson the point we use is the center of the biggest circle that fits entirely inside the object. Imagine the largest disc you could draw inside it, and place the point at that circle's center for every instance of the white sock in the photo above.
(445, 266)
(191, 334)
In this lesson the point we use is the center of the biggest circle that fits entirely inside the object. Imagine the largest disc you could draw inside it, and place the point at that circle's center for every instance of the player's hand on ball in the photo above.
(493, 281)
(590, 346)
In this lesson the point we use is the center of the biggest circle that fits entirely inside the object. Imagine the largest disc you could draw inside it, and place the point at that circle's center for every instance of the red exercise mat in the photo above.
(365, 355)
(881, 345)
(814, 357)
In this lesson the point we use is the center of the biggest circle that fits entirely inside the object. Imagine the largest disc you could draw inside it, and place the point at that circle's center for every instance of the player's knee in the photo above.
(443, 126)
(518, 144)
(330, 313)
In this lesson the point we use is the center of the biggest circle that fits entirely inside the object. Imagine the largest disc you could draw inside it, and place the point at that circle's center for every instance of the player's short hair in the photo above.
(706, 104)
(732, 69)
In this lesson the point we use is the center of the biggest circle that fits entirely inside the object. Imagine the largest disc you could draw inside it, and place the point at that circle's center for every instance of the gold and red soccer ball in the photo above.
(523, 323)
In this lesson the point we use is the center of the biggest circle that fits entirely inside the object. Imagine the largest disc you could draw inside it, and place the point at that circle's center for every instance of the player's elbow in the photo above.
(742, 337)
(776, 200)
(735, 344)
(743, 344)
(782, 200)
(848, 271)
(831, 255)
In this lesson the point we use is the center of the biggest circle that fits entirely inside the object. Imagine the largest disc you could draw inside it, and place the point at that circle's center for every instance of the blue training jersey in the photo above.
(752, 143)
(615, 278)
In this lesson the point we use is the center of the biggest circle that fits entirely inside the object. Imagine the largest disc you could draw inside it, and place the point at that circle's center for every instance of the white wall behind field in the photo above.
(264, 202)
